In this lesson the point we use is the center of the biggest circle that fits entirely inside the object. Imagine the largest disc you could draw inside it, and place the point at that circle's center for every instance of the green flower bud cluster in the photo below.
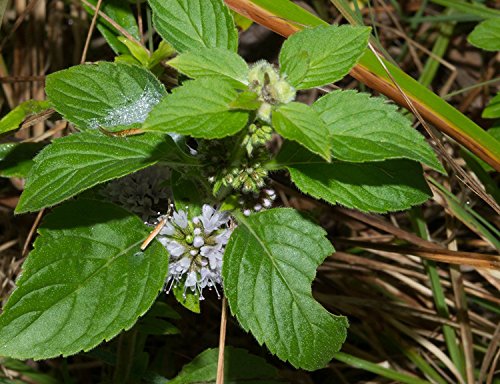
(272, 88)
(247, 177)
(257, 136)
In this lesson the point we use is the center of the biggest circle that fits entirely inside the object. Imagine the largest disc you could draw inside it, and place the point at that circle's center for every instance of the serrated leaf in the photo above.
(16, 159)
(199, 108)
(239, 367)
(104, 94)
(364, 128)
(192, 24)
(247, 101)
(486, 35)
(301, 123)
(269, 264)
(213, 63)
(14, 118)
(322, 55)
(385, 186)
(492, 111)
(80, 161)
(119, 11)
(83, 283)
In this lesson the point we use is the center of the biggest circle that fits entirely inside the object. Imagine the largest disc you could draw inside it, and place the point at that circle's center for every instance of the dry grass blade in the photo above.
(117, 26)
(91, 30)
(489, 355)
(442, 255)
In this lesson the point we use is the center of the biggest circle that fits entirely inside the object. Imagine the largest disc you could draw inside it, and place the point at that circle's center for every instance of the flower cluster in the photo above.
(250, 176)
(257, 201)
(142, 192)
(258, 135)
(196, 247)
(271, 87)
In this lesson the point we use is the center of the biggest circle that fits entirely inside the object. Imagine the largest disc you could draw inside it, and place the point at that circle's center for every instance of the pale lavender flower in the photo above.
(196, 248)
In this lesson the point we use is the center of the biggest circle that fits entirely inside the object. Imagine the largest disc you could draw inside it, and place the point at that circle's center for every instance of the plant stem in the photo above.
(222, 342)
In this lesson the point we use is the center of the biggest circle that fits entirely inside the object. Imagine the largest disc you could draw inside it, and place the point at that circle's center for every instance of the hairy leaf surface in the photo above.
(322, 55)
(213, 63)
(301, 123)
(383, 186)
(192, 24)
(77, 162)
(365, 128)
(104, 94)
(200, 108)
(269, 265)
(84, 282)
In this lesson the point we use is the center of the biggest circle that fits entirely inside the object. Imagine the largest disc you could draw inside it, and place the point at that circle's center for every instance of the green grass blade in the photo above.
(414, 356)
(469, 8)
(440, 46)
(377, 369)
(450, 337)
(469, 217)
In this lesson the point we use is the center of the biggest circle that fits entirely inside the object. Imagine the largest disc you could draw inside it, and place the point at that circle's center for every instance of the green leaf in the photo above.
(85, 281)
(154, 323)
(80, 161)
(121, 12)
(322, 55)
(213, 63)
(104, 94)
(138, 51)
(486, 35)
(492, 111)
(199, 108)
(14, 118)
(301, 123)
(269, 264)
(365, 128)
(192, 24)
(391, 185)
(239, 367)
(187, 299)
(247, 101)
(16, 159)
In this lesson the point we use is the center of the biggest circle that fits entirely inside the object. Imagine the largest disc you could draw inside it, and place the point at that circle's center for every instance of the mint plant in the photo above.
(193, 160)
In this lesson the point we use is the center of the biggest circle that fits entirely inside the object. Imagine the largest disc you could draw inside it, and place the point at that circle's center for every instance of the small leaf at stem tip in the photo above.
(215, 63)
(301, 123)
(322, 55)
